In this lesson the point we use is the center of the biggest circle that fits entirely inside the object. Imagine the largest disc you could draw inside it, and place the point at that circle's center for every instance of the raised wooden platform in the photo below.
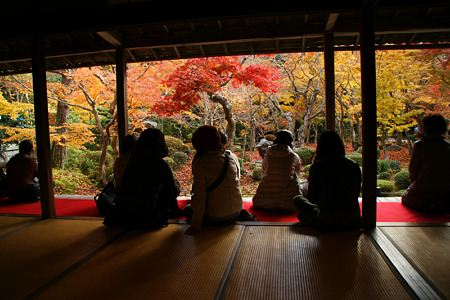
(82, 259)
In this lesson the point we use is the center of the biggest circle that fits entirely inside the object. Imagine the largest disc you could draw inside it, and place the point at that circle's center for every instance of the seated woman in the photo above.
(21, 171)
(334, 185)
(216, 198)
(280, 169)
(429, 168)
(148, 191)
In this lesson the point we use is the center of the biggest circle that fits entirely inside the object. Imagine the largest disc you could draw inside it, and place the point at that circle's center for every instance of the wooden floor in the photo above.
(74, 258)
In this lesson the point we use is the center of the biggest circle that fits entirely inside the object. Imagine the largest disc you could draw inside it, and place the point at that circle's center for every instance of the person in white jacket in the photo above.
(214, 202)
(279, 181)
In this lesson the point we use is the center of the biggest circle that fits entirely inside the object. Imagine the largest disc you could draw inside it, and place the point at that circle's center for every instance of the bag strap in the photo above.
(216, 183)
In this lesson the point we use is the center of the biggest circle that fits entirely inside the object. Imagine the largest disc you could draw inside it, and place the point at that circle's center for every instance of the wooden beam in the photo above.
(121, 94)
(332, 18)
(369, 117)
(330, 105)
(112, 37)
(42, 128)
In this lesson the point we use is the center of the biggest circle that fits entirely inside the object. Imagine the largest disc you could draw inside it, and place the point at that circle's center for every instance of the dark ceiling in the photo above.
(88, 32)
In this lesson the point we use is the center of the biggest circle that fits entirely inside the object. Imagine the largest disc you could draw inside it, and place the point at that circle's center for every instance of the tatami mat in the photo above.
(160, 264)
(300, 263)
(11, 224)
(82, 259)
(33, 256)
(428, 248)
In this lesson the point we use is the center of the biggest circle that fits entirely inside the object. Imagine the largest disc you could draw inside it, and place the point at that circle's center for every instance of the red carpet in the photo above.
(386, 212)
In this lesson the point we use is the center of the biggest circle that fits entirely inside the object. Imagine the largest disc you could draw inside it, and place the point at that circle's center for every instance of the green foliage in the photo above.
(170, 162)
(176, 145)
(246, 157)
(385, 176)
(305, 171)
(384, 166)
(306, 155)
(356, 157)
(179, 159)
(81, 160)
(256, 175)
(378, 152)
(67, 180)
(402, 179)
(385, 186)
(394, 165)
(86, 162)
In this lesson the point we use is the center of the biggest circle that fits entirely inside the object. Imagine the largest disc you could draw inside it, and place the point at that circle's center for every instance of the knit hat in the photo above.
(284, 137)
(206, 138)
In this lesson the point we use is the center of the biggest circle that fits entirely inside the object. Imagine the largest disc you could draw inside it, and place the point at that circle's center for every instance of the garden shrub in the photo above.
(306, 155)
(256, 175)
(384, 166)
(386, 186)
(82, 160)
(402, 179)
(179, 159)
(384, 176)
(305, 171)
(394, 165)
(176, 145)
(306, 168)
(356, 157)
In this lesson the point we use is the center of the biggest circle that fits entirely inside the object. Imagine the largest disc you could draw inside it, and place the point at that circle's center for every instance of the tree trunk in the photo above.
(228, 111)
(58, 152)
(383, 143)
(252, 134)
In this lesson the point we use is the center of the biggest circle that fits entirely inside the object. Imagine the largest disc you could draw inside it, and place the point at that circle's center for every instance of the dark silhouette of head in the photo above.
(434, 124)
(206, 138)
(284, 137)
(329, 146)
(152, 140)
(26, 147)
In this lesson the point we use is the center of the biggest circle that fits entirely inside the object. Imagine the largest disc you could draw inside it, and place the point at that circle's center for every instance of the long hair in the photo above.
(153, 140)
(329, 146)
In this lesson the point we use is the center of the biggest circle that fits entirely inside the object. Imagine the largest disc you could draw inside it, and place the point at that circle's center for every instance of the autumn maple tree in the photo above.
(201, 77)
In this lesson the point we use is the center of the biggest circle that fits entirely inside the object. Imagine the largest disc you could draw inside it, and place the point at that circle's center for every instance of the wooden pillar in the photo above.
(330, 105)
(42, 128)
(369, 116)
(121, 93)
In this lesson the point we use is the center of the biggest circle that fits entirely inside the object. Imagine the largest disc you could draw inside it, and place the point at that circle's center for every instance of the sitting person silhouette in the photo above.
(121, 162)
(334, 184)
(22, 174)
(279, 175)
(216, 198)
(429, 168)
(148, 191)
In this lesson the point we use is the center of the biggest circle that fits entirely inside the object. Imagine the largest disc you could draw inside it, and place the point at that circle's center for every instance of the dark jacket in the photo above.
(21, 170)
(148, 189)
(334, 186)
